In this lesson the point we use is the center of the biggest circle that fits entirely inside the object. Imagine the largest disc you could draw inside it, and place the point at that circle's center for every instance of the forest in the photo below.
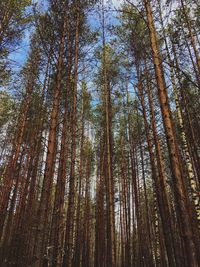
(99, 133)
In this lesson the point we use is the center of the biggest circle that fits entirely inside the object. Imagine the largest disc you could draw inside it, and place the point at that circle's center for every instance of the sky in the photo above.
(117, 2)
(18, 57)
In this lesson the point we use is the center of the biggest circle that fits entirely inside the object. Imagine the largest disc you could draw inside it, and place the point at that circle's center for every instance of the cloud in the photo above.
(117, 3)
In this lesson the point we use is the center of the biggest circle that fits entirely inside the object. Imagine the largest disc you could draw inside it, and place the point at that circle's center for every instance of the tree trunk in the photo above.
(179, 187)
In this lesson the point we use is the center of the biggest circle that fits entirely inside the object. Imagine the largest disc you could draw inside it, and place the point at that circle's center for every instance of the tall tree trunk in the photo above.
(191, 35)
(57, 225)
(68, 254)
(111, 258)
(41, 238)
(179, 187)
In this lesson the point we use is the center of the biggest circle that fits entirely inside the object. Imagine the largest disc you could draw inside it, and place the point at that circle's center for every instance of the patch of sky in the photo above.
(18, 56)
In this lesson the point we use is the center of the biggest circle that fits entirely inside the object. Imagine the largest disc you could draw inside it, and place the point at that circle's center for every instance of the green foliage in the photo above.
(4, 72)
(86, 102)
(133, 32)
(13, 20)
(6, 108)
(112, 65)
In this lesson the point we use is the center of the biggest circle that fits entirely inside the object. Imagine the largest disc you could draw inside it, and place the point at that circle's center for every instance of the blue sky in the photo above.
(18, 57)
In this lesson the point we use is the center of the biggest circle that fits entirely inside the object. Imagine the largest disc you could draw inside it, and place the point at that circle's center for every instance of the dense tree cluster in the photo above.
(100, 144)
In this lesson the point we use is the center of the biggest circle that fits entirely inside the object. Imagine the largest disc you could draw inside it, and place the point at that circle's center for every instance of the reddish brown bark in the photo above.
(179, 187)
